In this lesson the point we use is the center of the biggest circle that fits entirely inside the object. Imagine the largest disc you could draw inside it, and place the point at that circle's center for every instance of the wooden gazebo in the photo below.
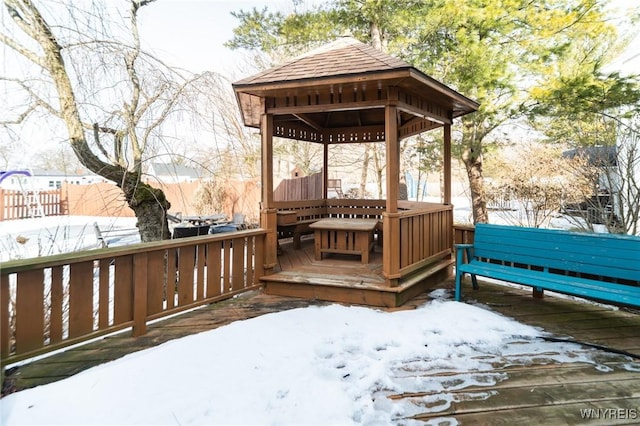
(348, 92)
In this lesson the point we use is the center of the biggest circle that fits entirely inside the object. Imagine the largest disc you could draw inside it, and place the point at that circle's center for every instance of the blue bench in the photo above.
(602, 267)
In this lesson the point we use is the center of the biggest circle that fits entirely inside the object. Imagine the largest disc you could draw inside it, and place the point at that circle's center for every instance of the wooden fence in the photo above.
(302, 188)
(52, 302)
(15, 204)
(98, 199)
(106, 199)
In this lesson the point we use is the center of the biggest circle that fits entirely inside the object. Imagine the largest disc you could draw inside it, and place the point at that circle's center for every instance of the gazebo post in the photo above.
(391, 220)
(447, 163)
(393, 150)
(268, 214)
(325, 170)
(446, 130)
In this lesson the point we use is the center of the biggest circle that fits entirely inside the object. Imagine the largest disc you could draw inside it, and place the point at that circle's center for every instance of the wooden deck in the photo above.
(548, 393)
(343, 278)
(551, 393)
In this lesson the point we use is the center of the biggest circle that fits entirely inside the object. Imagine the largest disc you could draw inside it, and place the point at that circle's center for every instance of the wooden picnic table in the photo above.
(344, 236)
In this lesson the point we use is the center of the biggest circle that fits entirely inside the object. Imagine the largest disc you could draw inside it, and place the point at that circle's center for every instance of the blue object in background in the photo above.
(227, 227)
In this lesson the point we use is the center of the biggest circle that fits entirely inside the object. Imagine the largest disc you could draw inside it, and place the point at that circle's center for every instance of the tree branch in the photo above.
(30, 55)
(96, 139)
(39, 102)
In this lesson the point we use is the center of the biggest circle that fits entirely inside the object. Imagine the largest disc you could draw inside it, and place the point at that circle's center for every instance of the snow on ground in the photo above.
(26, 238)
(317, 365)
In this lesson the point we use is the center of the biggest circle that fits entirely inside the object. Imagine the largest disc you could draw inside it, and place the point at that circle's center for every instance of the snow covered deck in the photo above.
(526, 378)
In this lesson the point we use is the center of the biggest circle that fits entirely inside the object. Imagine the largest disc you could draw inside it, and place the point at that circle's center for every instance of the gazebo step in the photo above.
(354, 289)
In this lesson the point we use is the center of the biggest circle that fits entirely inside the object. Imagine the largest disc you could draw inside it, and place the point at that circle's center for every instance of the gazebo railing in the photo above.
(463, 234)
(52, 302)
(418, 235)
(333, 207)
(421, 234)
(355, 208)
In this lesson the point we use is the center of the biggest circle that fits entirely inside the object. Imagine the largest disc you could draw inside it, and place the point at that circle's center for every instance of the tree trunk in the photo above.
(379, 168)
(473, 164)
(150, 207)
(365, 171)
(376, 36)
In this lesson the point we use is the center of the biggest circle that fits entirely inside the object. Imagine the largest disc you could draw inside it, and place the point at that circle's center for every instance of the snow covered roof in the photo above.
(172, 170)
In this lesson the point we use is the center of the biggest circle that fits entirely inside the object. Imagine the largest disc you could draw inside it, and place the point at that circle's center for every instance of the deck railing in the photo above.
(305, 209)
(52, 302)
(463, 234)
(418, 235)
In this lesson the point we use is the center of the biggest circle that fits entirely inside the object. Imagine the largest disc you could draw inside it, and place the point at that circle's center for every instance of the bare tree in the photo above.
(532, 186)
(236, 148)
(614, 175)
(422, 154)
(365, 171)
(307, 156)
(111, 97)
(627, 187)
(380, 165)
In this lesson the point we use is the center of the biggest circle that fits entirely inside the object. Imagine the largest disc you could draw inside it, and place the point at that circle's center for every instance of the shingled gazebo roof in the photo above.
(349, 77)
(342, 57)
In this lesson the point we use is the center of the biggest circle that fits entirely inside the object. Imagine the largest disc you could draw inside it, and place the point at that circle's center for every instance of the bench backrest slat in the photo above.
(309, 210)
(595, 254)
(355, 212)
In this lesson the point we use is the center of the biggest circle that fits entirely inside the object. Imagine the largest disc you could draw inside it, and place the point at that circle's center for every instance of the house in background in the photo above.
(43, 179)
(620, 164)
(168, 173)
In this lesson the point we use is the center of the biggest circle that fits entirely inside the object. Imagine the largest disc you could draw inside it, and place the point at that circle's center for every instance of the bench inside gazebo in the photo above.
(375, 252)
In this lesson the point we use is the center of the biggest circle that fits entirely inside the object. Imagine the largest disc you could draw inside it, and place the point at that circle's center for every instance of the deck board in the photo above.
(568, 414)
(551, 393)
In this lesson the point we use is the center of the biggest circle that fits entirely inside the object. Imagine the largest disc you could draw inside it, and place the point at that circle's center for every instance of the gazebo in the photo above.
(348, 92)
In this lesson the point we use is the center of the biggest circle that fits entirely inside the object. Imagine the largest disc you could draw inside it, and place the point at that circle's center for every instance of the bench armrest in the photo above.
(462, 246)
(461, 250)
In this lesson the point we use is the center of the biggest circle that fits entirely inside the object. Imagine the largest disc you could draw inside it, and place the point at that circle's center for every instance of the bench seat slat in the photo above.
(619, 293)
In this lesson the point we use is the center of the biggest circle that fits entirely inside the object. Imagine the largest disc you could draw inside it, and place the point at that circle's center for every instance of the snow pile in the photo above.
(317, 365)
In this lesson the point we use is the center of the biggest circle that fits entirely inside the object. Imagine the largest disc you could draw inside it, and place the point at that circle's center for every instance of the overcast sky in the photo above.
(191, 33)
